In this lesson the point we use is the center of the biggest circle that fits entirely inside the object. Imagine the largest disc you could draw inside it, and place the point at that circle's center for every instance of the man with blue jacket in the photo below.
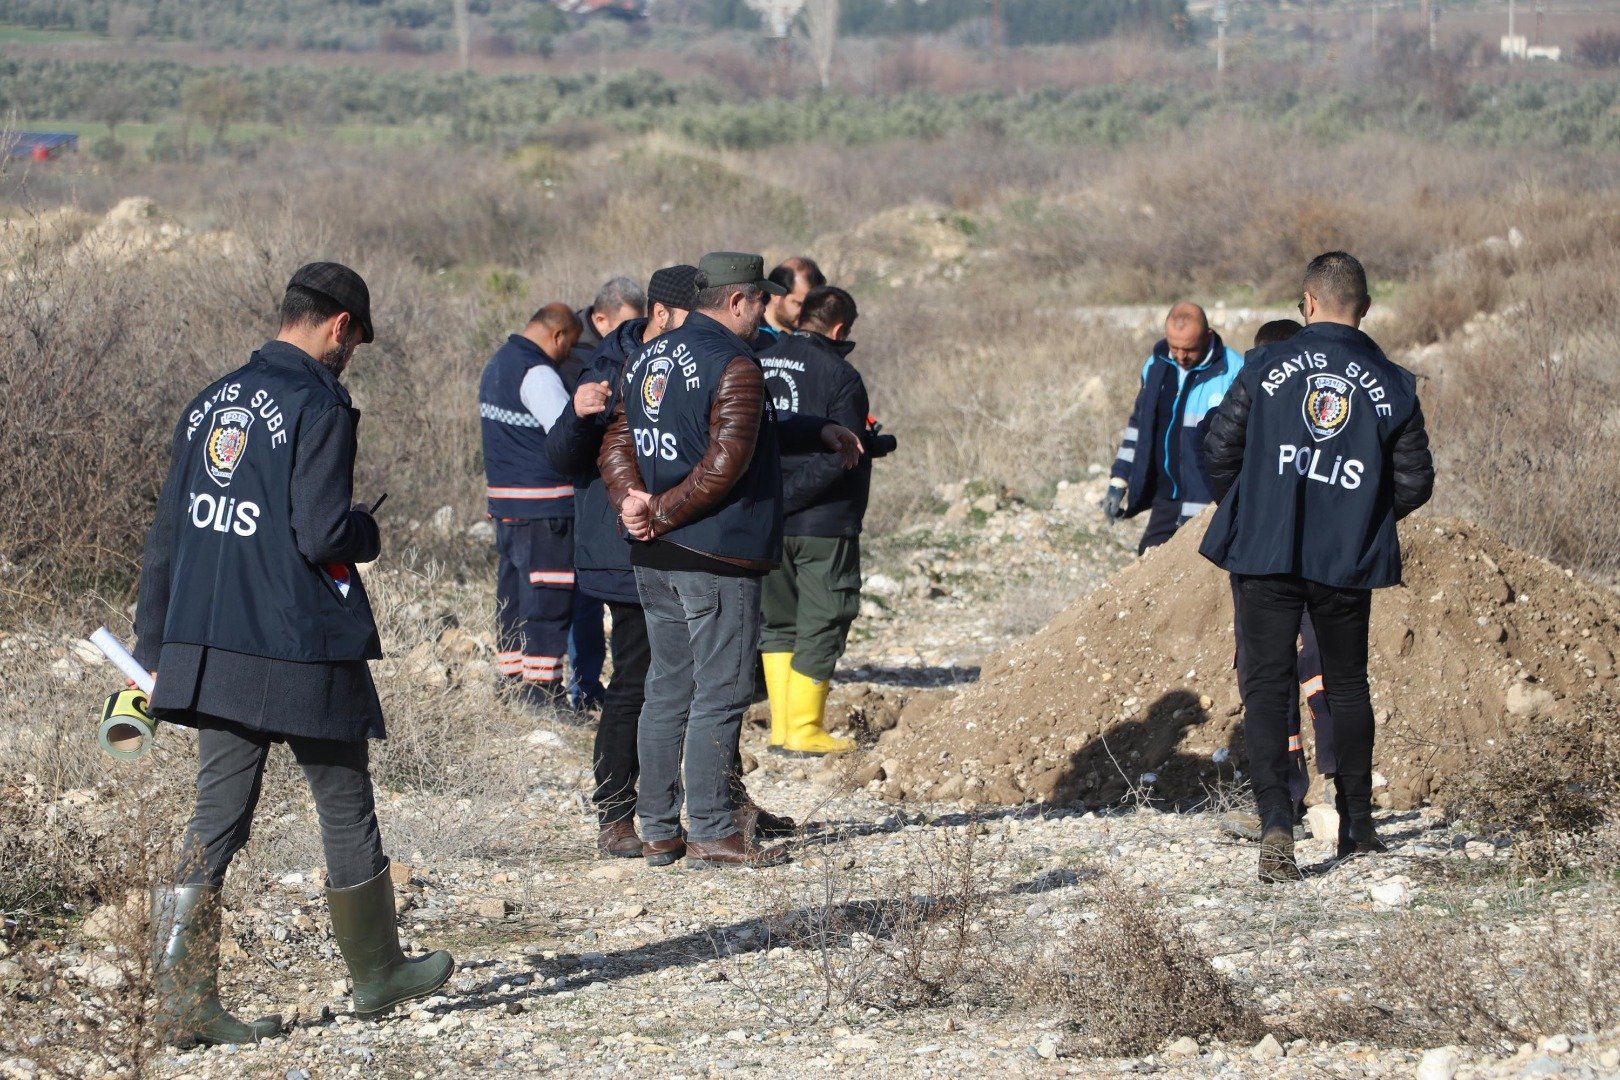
(1318, 449)
(692, 460)
(520, 396)
(1157, 468)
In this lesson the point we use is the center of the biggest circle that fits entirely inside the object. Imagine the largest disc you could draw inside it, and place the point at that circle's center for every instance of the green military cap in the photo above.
(735, 268)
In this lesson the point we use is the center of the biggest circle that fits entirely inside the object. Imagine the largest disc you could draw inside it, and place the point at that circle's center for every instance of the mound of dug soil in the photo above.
(1137, 678)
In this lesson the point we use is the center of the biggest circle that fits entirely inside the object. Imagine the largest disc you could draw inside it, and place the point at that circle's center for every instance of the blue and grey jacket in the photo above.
(1195, 391)
(521, 481)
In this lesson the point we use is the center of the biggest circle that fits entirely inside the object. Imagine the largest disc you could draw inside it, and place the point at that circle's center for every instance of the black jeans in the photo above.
(1164, 518)
(1268, 615)
(230, 772)
(616, 765)
(1309, 669)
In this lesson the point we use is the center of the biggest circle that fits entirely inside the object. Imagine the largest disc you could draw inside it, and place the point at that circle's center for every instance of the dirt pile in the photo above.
(1136, 679)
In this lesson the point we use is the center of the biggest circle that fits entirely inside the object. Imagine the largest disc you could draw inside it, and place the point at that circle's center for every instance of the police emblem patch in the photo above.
(1327, 405)
(226, 443)
(654, 385)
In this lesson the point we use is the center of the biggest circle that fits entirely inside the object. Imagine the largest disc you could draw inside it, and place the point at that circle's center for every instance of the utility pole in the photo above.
(1434, 25)
(1220, 36)
(1541, 9)
(1510, 31)
(998, 43)
(463, 35)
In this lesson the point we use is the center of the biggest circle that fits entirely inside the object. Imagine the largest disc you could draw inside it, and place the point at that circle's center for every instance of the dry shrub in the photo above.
(1550, 788)
(947, 929)
(1127, 980)
(922, 937)
(1464, 980)
(1520, 414)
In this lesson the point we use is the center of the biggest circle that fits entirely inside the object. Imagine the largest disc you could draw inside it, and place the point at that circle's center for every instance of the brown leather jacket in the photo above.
(734, 420)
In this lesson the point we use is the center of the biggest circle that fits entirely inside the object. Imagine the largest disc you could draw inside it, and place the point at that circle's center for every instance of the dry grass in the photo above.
(949, 929)
(1493, 983)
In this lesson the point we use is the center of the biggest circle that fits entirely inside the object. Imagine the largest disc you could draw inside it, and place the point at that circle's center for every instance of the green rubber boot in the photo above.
(185, 963)
(367, 935)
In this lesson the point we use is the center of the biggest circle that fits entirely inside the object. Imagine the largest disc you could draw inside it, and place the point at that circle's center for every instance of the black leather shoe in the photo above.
(1359, 838)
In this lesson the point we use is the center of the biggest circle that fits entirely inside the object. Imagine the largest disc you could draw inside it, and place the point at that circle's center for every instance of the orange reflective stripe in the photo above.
(1312, 686)
(1295, 744)
(551, 577)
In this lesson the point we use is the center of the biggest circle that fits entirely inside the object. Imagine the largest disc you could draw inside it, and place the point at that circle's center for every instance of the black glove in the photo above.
(1111, 502)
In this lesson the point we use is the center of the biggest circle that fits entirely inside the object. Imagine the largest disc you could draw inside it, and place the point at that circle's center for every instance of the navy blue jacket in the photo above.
(1145, 445)
(1317, 451)
(245, 566)
(601, 552)
(521, 482)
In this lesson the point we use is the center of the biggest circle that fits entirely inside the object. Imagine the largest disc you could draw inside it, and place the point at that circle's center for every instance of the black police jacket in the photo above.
(1318, 449)
(601, 551)
(809, 373)
(256, 554)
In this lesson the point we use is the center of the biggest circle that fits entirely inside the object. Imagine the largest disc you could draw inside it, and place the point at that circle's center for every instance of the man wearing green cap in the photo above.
(692, 462)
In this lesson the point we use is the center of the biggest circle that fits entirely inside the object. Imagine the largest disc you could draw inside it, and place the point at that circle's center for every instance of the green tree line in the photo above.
(1551, 112)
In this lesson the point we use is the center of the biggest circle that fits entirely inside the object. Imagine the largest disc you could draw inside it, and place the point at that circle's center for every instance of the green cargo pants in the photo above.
(810, 601)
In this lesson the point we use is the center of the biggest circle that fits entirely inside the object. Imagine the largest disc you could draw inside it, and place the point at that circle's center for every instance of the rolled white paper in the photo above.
(114, 650)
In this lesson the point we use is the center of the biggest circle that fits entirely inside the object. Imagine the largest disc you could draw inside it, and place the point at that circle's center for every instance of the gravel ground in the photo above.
(568, 961)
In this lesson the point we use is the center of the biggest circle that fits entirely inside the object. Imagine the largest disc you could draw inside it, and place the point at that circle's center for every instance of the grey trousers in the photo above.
(230, 772)
(704, 632)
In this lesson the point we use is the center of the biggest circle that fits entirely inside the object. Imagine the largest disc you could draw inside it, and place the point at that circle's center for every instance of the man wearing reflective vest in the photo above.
(520, 397)
(1317, 451)
(254, 618)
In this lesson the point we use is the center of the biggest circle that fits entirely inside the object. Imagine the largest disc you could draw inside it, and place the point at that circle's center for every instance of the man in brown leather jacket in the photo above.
(692, 462)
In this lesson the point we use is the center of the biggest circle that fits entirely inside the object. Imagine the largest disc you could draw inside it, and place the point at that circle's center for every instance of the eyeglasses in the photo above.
(1301, 306)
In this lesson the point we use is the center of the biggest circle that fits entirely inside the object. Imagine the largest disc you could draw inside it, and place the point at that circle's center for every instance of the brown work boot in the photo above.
(733, 850)
(619, 839)
(754, 822)
(1277, 863)
(663, 852)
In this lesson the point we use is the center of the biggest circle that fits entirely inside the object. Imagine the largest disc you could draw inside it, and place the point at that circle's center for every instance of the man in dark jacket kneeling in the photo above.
(1317, 450)
(253, 617)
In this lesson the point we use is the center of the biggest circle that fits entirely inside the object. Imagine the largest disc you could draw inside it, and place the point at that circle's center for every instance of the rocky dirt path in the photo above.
(573, 963)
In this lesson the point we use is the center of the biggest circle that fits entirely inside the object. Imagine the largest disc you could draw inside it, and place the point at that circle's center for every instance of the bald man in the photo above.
(519, 399)
(1157, 468)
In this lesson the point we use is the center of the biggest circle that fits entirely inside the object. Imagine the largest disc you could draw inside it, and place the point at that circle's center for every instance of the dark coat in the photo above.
(1318, 449)
(1146, 445)
(809, 373)
(601, 551)
(326, 700)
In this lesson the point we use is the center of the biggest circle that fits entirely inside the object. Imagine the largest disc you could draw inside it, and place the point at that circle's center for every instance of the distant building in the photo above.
(42, 145)
(1517, 46)
(619, 9)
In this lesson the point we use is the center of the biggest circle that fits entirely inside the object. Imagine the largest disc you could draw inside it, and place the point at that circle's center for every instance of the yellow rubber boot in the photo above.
(807, 700)
(778, 666)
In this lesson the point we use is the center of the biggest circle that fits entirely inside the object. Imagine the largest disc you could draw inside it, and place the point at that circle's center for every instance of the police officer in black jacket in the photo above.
(603, 570)
(1318, 449)
(811, 598)
(254, 618)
